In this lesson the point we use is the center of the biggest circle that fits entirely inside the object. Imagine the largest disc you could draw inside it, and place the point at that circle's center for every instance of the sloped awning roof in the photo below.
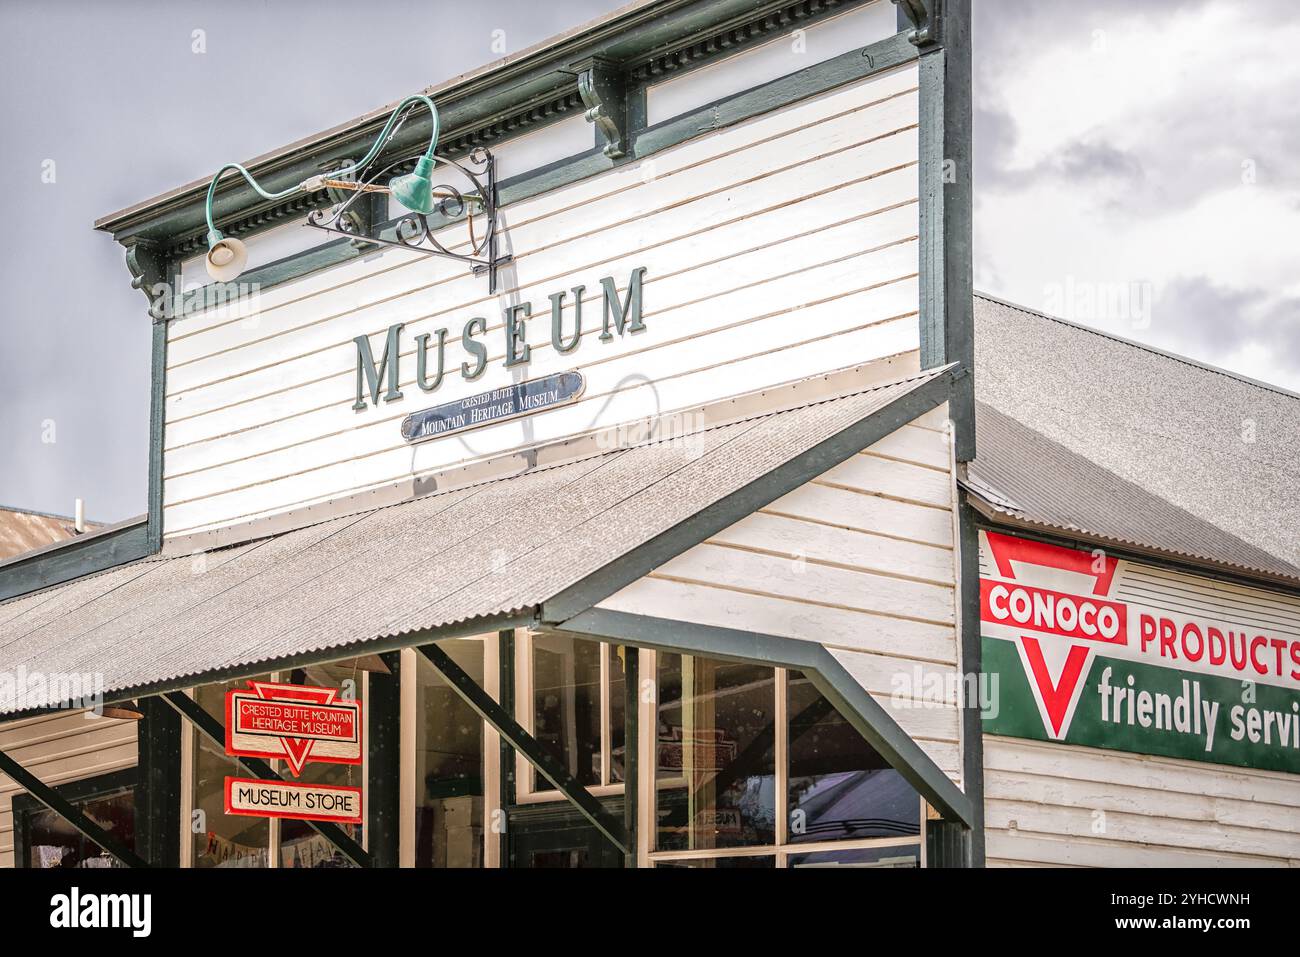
(1106, 440)
(540, 546)
(1022, 477)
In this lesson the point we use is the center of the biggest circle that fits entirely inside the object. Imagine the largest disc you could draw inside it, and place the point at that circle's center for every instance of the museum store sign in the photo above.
(1091, 650)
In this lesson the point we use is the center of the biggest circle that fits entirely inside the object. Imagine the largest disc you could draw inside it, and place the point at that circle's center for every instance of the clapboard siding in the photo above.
(774, 250)
(860, 560)
(57, 749)
(253, 449)
(1052, 803)
(545, 260)
(592, 193)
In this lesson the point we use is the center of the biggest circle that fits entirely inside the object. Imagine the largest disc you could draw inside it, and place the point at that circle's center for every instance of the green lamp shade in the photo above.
(414, 190)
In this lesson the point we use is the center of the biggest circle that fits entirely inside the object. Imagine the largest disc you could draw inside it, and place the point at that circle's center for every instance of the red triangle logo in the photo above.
(296, 750)
(1056, 697)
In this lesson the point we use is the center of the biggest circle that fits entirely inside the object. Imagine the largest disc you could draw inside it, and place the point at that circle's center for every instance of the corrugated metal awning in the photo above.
(475, 556)
(1022, 477)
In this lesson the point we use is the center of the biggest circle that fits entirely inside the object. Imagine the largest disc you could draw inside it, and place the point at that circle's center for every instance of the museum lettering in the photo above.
(619, 315)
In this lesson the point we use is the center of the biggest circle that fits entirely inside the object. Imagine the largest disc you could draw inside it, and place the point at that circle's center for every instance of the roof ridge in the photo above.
(1145, 347)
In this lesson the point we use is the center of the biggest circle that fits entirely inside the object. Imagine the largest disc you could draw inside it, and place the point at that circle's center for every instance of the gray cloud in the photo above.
(1204, 320)
(1193, 145)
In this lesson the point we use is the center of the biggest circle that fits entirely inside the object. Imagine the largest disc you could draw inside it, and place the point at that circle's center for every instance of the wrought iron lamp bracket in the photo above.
(475, 202)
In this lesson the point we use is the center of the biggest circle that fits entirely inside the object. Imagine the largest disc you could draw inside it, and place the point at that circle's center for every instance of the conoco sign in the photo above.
(1092, 650)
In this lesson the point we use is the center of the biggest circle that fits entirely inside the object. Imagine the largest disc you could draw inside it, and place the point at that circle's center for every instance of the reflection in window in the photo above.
(300, 844)
(568, 858)
(718, 785)
(839, 787)
(221, 839)
(53, 842)
(715, 768)
(448, 764)
(566, 703)
(720, 863)
(908, 855)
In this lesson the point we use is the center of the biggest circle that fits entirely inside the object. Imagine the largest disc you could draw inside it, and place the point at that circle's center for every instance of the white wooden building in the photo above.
(662, 495)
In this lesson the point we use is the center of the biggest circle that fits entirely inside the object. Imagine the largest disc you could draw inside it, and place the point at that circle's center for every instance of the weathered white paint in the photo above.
(1058, 804)
(797, 50)
(775, 250)
(860, 560)
(60, 748)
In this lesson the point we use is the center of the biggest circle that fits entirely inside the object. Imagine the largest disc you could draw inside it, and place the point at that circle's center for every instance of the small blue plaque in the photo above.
(488, 408)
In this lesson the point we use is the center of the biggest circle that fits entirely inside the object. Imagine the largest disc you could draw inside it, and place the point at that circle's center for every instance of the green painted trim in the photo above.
(959, 217)
(61, 806)
(74, 558)
(158, 784)
(384, 758)
(830, 677)
(631, 751)
(215, 732)
(764, 490)
(948, 844)
(947, 243)
(546, 763)
(644, 142)
(506, 754)
(656, 39)
(972, 663)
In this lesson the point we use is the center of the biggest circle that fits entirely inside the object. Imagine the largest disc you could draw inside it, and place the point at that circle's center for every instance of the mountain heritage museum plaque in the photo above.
(489, 408)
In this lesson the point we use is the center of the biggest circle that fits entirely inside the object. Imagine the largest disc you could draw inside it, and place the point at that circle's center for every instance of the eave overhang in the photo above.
(644, 39)
(996, 512)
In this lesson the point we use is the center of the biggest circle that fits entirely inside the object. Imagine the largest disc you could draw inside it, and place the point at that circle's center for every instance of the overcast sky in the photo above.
(1134, 171)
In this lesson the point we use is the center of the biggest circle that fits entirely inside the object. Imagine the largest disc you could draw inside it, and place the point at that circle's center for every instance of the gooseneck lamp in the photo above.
(228, 256)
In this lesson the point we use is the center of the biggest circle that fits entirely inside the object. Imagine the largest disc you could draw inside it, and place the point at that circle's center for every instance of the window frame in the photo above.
(782, 849)
(82, 789)
(527, 791)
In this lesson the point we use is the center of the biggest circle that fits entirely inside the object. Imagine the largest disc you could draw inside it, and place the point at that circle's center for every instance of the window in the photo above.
(217, 839)
(449, 767)
(743, 765)
(297, 843)
(715, 748)
(570, 697)
(755, 768)
(839, 788)
(43, 839)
